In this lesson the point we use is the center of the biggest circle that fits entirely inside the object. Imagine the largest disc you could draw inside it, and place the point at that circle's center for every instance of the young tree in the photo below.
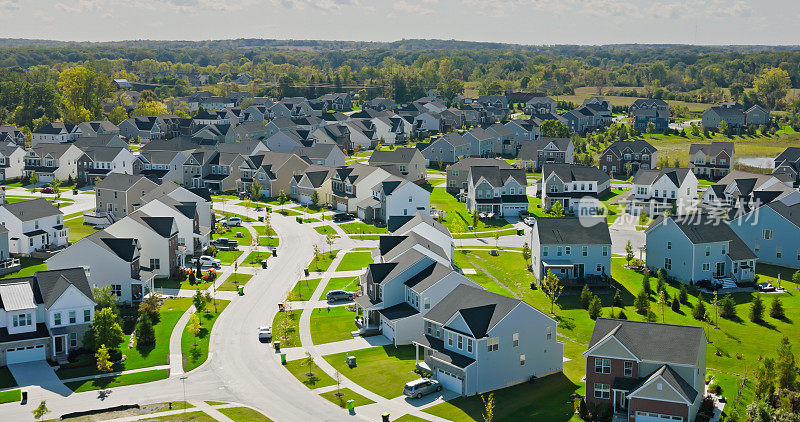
(723, 127)
(765, 379)
(255, 191)
(586, 296)
(55, 184)
(715, 303)
(526, 254)
(683, 295)
(786, 365)
(40, 410)
(616, 301)
(595, 308)
(757, 309)
(330, 239)
(552, 288)
(308, 362)
(33, 179)
(643, 218)
(475, 218)
(104, 298)
(145, 334)
(557, 209)
(651, 128)
(676, 304)
(663, 300)
(194, 327)
(628, 252)
(646, 285)
(699, 310)
(728, 307)
(488, 401)
(642, 303)
(776, 309)
(103, 359)
(282, 197)
(105, 330)
(315, 198)
(199, 301)
(150, 307)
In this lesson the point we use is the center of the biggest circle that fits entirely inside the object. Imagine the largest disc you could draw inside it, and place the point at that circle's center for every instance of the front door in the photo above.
(578, 270)
(720, 269)
(136, 292)
(59, 344)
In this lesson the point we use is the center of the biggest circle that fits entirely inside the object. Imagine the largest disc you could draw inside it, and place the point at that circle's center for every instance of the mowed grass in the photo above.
(304, 289)
(332, 324)
(325, 230)
(359, 227)
(288, 334)
(321, 262)
(10, 396)
(233, 233)
(195, 349)
(197, 416)
(244, 414)
(342, 396)
(354, 261)
(227, 257)
(234, 280)
(29, 267)
(253, 259)
(340, 283)
(312, 377)
(457, 218)
(118, 381)
(78, 229)
(382, 370)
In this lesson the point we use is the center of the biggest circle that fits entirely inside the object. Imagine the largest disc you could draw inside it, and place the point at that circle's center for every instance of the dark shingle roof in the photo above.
(496, 176)
(573, 231)
(668, 343)
(397, 156)
(481, 310)
(53, 283)
(574, 172)
(32, 209)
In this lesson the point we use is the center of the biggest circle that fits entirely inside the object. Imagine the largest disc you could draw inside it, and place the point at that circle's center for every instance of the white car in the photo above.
(530, 221)
(233, 221)
(265, 333)
(208, 261)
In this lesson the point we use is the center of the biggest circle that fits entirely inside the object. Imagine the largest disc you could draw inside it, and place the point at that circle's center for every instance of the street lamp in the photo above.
(183, 381)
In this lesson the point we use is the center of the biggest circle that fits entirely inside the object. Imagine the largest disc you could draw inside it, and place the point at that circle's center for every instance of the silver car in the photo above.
(421, 387)
(336, 295)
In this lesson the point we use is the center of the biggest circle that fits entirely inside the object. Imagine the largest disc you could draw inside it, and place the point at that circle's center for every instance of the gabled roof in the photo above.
(480, 309)
(52, 284)
(530, 149)
(429, 276)
(404, 223)
(653, 342)
(712, 149)
(649, 176)
(397, 156)
(573, 231)
(453, 138)
(496, 176)
(703, 228)
(636, 146)
(124, 248)
(468, 162)
(33, 209)
(123, 182)
(574, 173)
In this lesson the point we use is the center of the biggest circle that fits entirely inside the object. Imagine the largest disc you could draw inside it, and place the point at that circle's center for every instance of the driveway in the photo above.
(38, 373)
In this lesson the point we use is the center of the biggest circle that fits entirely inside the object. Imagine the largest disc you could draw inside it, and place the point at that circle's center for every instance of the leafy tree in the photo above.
(557, 209)
(104, 330)
(255, 191)
(728, 307)
(776, 309)
(628, 252)
(488, 407)
(786, 365)
(40, 410)
(199, 301)
(586, 296)
(526, 254)
(117, 115)
(663, 300)
(104, 298)
(282, 197)
(552, 288)
(554, 129)
(103, 359)
(683, 294)
(765, 379)
(643, 217)
(150, 307)
(194, 327)
(651, 128)
(757, 309)
(616, 301)
(796, 277)
(723, 127)
(149, 108)
(595, 307)
(83, 90)
(33, 179)
(315, 198)
(699, 310)
(772, 85)
(145, 334)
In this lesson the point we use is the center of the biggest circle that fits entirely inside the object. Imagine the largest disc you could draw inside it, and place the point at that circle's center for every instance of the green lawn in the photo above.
(332, 324)
(137, 357)
(410, 418)
(194, 356)
(10, 396)
(290, 213)
(253, 259)
(197, 416)
(322, 261)
(289, 336)
(309, 209)
(545, 400)
(78, 229)
(6, 379)
(304, 289)
(382, 370)
(300, 370)
(340, 283)
(234, 280)
(231, 233)
(342, 396)
(227, 214)
(215, 403)
(273, 241)
(29, 267)
(325, 230)
(227, 257)
(175, 282)
(359, 227)
(457, 218)
(355, 261)
(244, 414)
(118, 381)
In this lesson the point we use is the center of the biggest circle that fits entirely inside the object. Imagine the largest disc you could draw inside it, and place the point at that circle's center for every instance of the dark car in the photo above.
(225, 244)
(342, 216)
(47, 189)
(334, 295)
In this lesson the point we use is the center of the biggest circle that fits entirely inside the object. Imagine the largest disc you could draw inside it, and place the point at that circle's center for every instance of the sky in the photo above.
(537, 22)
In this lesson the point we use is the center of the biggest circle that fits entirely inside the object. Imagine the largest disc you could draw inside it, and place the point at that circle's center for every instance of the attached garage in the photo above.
(341, 206)
(387, 330)
(305, 199)
(656, 417)
(450, 381)
(25, 354)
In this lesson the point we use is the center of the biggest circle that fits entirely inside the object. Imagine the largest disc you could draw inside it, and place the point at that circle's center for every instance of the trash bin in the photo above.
(24, 396)
(305, 271)
(520, 232)
(351, 405)
(385, 417)
(74, 191)
(351, 361)
(274, 252)
(264, 263)
(276, 345)
(260, 219)
(241, 290)
(283, 358)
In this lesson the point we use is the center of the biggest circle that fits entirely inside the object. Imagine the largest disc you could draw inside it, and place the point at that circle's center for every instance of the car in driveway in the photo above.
(421, 387)
(342, 216)
(47, 189)
(233, 222)
(265, 333)
(225, 244)
(530, 221)
(209, 261)
(334, 295)
(765, 287)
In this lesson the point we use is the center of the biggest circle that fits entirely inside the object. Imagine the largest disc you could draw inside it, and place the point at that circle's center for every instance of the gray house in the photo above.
(699, 248)
(447, 149)
(772, 231)
(571, 248)
(477, 341)
(535, 153)
(117, 196)
(458, 173)
(496, 190)
(481, 142)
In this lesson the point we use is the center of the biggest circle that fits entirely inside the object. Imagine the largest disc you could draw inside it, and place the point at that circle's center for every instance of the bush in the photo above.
(683, 295)
(145, 334)
(595, 308)
(757, 309)
(617, 300)
(676, 304)
(776, 309)
(642, 303)
(586, 296)
(727, 307)
(149, 308)
(646, 284)
(699, 310)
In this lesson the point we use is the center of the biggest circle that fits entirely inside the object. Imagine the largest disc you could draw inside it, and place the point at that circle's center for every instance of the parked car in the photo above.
(342, 216)
(47, 189)
(530, 221)
(225, 244)
(233, 222)
(335, 295)
(765, 287)
(421, 387)
(208, 261)
(265, 333)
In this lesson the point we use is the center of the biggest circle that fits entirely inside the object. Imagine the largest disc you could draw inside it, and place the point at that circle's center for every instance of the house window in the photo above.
(22, 320)
(410, 198)
(155, 263)
(599, 268)
(608, 158)
(706, 266)
(584, 250)
(669, 245)
(778, 252)
(757, 248)
(544, 250)
(602, 366)
(567, 250)
(558, 250)
(469, 345)
(515, 339)
(73, 318)
(57, 318)
(426, 303)
(73, 340)
(87, 315)
(492, 344)
(628, 369)
(450, 339)
(460, 342)
(766, 234)
(708, 250)
(667, 263)
(116, 289)
(549, 333)
(605, 250)
(602, 391)
(522, 359)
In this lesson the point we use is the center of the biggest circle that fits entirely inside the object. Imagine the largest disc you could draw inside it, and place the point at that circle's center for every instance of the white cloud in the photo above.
(420, 7)
(8, 5)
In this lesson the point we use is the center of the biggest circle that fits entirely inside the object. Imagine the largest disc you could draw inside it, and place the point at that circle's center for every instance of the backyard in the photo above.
(340, 283)
(240, 234)
(457, 218)
(382, 370)
(332, 324)
(353, 261)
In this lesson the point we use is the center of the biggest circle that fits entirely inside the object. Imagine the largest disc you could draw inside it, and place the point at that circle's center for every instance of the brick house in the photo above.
(638, 152)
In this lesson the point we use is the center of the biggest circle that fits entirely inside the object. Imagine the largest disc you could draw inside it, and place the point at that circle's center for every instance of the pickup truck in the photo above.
(225, 244)
(208, 261)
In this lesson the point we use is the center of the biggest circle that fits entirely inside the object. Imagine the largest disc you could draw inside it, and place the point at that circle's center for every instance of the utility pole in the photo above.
(183, 381)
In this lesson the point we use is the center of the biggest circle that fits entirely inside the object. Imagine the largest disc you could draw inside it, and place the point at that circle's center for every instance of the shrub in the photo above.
(699, 310)
(617, 300)
(586, 296)
(776, 309)
(145, 334)
(676, 304)
(727, 307)
(595, 308)
(646, 284)
(683, 295)
(642, 303)
(757, 309)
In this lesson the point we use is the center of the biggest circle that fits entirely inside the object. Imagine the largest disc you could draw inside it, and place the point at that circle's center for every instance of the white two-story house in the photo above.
(491, 189)
(393, 197)
(655, 191)
(34, 225)
(577, 187)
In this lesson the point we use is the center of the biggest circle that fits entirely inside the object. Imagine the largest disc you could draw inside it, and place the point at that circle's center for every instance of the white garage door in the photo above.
(656, 417)
(450, 381)
(25, 354)
(341, 206)
(305, 199)
(387, 330)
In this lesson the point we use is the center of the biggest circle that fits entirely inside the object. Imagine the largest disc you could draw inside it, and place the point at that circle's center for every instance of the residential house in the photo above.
(98, 127)
(646, 371)
(380, 104)
(99, 162)
(572, 248)
(649, 110)
(427, 124)
(426, 227)
(51, 161)
(353, 184)
(447, 149)
(699, 248)
(274, 171)
(11, 134)
(667, 189)
(476, 341)
(54, 133)
(161, 166)
(192, 236)
(284, 141)
(338, 135)
(788, 163)
(143, 128)
(495, 190)
(506, 142)
(116, 196)
(742, 191)
(408, 163)
(457, 174)
(622, 157)
(328, 155)
(772, 232)
(522, 131)
(576, 186)
(33, 225)
(535, 153)
(44, 316)
(108, 260)
(756, 115)
(313, 179)
(12, 161)
(391, 129)
(341, 101)
(158, 238)
(394, 196)
(540, 105)
(482, 143)
(200, 197)
(713, 160)
(731, 113)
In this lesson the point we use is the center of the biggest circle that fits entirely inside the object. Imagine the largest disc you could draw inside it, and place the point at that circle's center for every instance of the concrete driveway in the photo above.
(38, 373)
